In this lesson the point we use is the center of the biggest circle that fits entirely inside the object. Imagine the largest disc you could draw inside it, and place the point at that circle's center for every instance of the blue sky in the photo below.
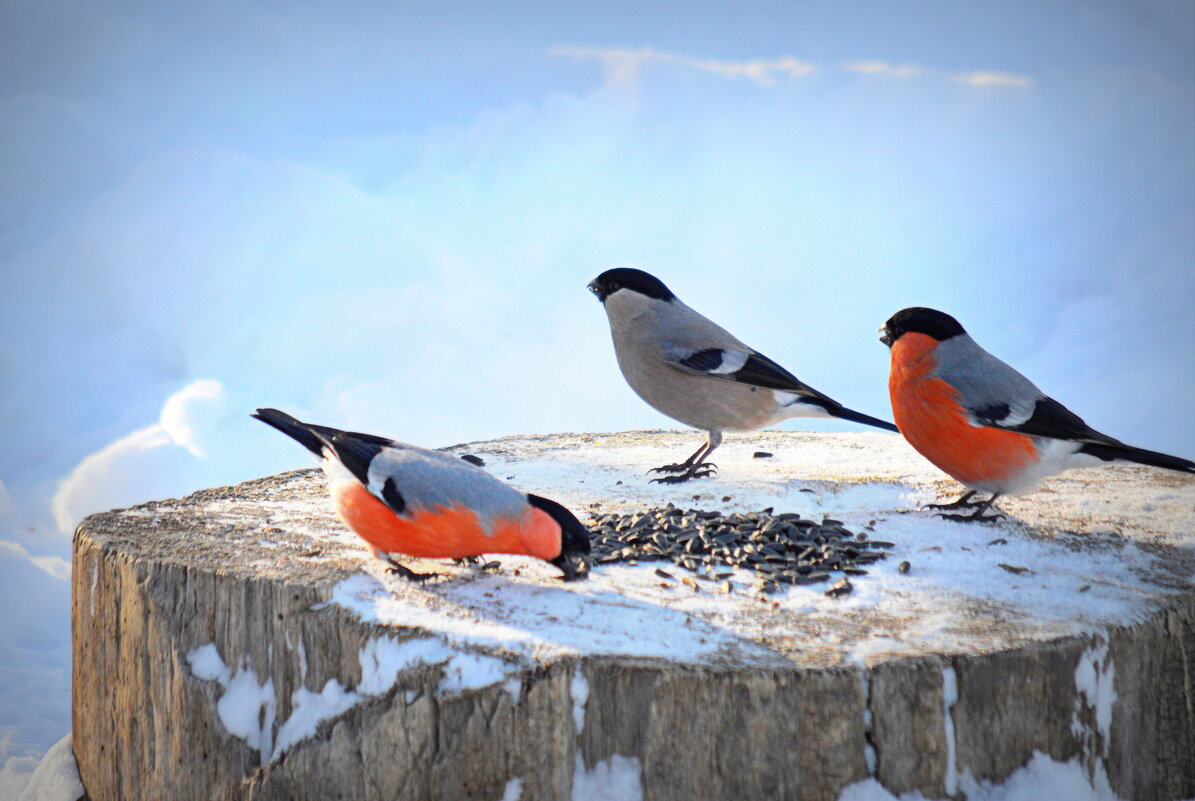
(384, 215)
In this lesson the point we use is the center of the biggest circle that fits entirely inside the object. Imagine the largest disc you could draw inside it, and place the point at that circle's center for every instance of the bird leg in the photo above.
(395, 569)
(977, 516)
(962, 502)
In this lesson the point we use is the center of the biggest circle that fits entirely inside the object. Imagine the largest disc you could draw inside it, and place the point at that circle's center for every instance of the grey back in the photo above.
(984, 382)
(429, 479)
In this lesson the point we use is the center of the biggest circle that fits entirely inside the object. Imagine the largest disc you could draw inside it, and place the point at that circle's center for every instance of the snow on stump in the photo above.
(240, 643)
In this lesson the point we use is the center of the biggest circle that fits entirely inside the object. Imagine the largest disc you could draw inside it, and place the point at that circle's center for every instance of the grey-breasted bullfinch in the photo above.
(407, 500)
(696, 372)
(981, 421)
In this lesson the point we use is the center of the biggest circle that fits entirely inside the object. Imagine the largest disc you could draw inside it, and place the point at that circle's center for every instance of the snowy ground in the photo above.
(1089, 549)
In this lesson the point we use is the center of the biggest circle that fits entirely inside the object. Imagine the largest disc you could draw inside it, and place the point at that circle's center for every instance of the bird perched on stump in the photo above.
(696, 372)
(408, 500)
(981, 421)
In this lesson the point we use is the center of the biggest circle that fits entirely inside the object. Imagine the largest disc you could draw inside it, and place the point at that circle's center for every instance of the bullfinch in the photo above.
(981, 421)
(408, 500)
(696, 372)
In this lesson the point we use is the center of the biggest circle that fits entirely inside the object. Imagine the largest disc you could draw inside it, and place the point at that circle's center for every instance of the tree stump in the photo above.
(240, 643)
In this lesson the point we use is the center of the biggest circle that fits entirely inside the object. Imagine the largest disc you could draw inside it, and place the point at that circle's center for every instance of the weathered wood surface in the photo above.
(773, 710)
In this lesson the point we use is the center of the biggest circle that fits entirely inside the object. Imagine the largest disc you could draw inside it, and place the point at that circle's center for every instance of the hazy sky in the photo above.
(383, 216)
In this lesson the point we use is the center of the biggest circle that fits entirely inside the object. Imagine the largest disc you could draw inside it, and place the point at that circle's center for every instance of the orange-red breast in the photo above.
(981, 421)
(408, 500)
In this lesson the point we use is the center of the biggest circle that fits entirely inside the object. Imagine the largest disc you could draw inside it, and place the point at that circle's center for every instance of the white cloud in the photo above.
(138, 465)
(883, 68)
(54, 566)
(982, 79)
(623, 65)
(191, 412)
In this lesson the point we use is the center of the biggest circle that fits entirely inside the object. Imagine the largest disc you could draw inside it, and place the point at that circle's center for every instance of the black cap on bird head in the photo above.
(573, 560)
(611, 281)
(920, 320)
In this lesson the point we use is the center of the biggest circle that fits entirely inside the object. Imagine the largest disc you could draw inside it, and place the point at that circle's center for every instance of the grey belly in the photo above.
(709, 404)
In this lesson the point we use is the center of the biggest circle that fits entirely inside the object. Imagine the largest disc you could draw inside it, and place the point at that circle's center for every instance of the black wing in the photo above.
(1050, 419)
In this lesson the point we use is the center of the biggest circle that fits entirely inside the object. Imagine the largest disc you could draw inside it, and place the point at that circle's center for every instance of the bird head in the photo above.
(630, 279)
(573, 560)
(920, 320)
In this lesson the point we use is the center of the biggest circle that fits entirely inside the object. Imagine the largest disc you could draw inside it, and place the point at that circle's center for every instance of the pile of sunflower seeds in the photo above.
(782, 548)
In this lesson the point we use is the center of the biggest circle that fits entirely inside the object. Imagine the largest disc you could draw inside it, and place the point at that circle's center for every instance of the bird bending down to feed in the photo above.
(696, 372)
(981, 421)
(408, 500)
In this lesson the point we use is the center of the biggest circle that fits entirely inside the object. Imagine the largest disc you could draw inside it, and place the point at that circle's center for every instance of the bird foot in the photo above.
(962, 502)
(467, 560)
(681, 468)
(698, 473)
(976, 517)
(395, 569)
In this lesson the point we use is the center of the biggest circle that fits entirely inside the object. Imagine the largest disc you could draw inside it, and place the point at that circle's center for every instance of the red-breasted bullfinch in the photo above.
(407, 500)
(693, 370)
(981, 421)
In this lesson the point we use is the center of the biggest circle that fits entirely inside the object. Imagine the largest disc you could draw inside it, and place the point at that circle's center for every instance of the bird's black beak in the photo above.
(885, 337)
(574, 566)
(596, 289)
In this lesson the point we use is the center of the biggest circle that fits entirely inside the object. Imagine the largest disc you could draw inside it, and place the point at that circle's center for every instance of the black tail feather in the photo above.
(355, 451)
(835, 409)
(1128, 453)
(301, 432)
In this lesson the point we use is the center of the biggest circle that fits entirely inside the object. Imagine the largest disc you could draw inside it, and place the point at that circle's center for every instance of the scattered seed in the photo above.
(903, 567)
(762, 455)
(840, 588)
(783, 548)
(1014, 569)
(1085, 588)
(998, 541)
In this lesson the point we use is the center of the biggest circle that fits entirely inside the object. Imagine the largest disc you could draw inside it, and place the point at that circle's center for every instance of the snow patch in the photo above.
(1041, 777)
(949, 699)
(247, 706)
(869, 750)
(56, 777)
(579, 689)
(472, 672)
(514, 790)
(613, 779)
(1095, 677)
(95, 578)
(309, 709)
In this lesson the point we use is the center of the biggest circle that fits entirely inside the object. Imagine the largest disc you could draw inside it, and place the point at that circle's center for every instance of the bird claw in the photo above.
(684, 477)
(669, 468)
(680, 468)
(977, 517)
(962, 502)
(395, 569)
(951, 505)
